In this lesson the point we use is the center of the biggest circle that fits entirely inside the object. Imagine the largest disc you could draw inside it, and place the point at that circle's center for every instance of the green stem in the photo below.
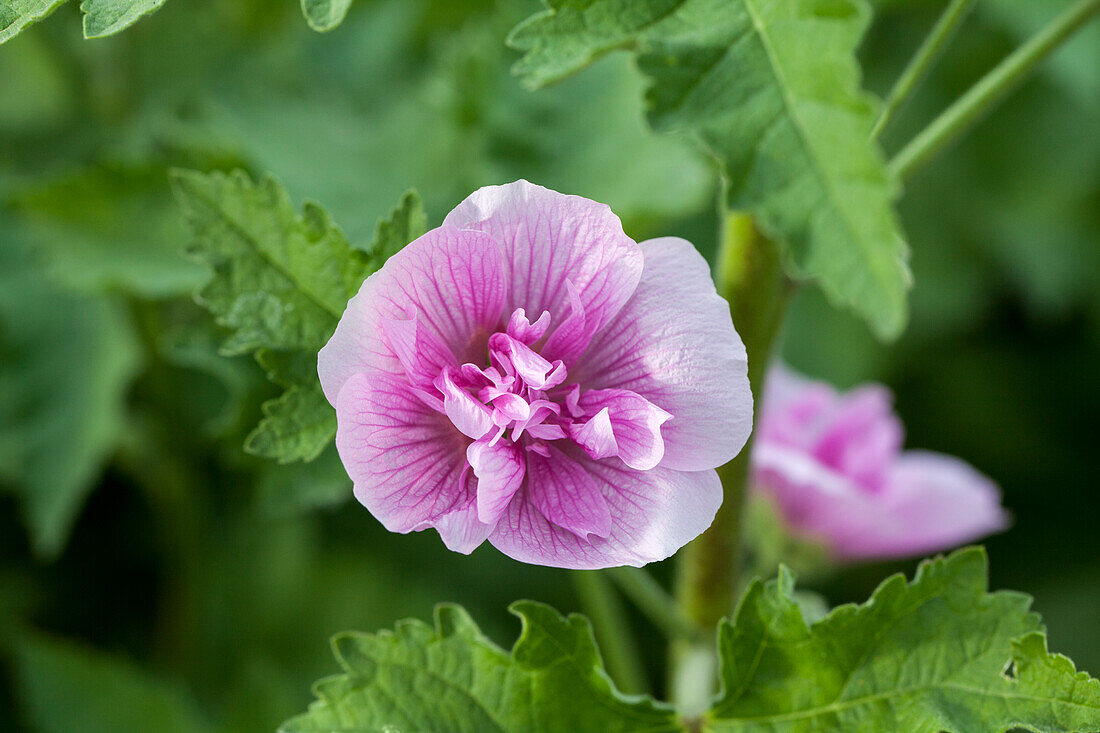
(603, 607)
(923, 61)
(657, 605)
(957, 119)
(750, 277)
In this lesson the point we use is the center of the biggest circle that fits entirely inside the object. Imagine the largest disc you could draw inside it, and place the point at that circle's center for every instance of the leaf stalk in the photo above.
(990, 90)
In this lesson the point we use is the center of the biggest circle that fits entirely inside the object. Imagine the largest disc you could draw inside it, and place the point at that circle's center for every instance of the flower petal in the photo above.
(549, 239)
(566, 494)
(674, 344)
(596, 435)
(421, 354)
(635, 422)
(461, 531)
(653, 514)
(472, 418)
(930, 502)
(406, 460)
(499, 468)
(452, 280)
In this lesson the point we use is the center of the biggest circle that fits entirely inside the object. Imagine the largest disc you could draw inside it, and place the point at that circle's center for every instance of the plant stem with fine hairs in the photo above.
(750, 277)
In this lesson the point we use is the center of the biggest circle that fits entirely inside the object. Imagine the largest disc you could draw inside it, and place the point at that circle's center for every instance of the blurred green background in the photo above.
(155, 577)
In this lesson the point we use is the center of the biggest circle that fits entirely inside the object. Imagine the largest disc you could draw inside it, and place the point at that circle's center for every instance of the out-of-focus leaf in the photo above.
(35, 92)
(67, 363)
(281, 281)
(290, 489)
(15, 15)
(106, 17)
(937, 654)
(64, 688)
(772, 88)
(324, 15)
(110, 227)
(452, 678)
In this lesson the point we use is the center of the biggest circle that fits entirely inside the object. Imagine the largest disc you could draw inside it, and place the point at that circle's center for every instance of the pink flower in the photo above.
(528, 374)
(834, 467)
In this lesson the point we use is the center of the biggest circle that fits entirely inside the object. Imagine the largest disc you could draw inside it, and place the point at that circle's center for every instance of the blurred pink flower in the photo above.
(832, 464)
(528, 374)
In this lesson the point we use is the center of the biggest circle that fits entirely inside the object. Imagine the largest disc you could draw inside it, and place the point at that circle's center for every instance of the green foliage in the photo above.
(940, 653)
(324, 15)
(281, 281)
(107, 17)
(937, 654)
(58, 424)
(17, 14)
(112, 227)
(64, 687)
(771, 87)
(452, 678)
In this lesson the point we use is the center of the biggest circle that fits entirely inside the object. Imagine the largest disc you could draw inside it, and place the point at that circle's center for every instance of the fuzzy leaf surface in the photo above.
(107, 17)
(930, 655)
(772, 88)
(324, 15)
(450, 677)
(281, 281)
(15, 15)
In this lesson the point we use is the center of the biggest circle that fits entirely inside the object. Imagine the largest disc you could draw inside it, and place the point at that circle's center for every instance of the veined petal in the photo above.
(635, 422)
(566, 494)
(674, 344)
(653, 514)
(421, 354)
(472, 418)
(461, 531)
(499, 468)
(454, 281)
(406, 460)
(549, 239)
(596, 435)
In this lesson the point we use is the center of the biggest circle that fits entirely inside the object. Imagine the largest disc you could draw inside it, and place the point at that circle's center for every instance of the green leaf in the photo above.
(404, 224)
(300, 423)
(937, 654)
(281, 282)
(110, 227)
(281, 279)
(452, 678)
(771, 87)
(63, 687)
(107, 17)
(15, 15)
(324, 15)
(59, 423)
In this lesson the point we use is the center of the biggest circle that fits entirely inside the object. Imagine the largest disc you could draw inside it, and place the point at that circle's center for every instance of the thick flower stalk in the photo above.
(833, 466)
(528, 374)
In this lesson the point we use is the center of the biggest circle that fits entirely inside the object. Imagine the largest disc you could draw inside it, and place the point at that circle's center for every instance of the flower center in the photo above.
(518, 397)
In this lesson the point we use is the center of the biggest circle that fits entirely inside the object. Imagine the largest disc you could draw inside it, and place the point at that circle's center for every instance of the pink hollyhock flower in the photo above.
(833, 465)
(528, 374)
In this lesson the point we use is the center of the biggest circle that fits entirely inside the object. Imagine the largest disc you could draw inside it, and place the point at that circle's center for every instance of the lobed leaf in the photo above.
(281, 282)
(772, 88)
(451, 678)
(938, 654)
